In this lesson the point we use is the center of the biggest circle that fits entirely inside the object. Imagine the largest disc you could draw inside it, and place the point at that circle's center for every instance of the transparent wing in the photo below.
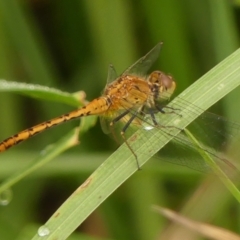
(140, 67)
(214, 133)
(115, 129)
(112, 74)
(105, 124)
(143, 65)
(182, 151)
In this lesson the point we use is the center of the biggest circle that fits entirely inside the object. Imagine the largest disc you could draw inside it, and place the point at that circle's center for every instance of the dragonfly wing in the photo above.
(215, 134)
(115, 129)
(105, 124)
(112, 74)
(181, 151)
(143, 65)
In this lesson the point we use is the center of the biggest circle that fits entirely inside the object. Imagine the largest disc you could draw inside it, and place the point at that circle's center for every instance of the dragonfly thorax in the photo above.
(128, 92)
(131, 91)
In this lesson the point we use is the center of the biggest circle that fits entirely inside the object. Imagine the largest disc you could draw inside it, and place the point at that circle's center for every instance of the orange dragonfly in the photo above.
(135, 98)
(126, 93)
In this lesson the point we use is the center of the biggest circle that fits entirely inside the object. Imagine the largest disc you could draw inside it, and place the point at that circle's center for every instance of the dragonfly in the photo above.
(135, 99)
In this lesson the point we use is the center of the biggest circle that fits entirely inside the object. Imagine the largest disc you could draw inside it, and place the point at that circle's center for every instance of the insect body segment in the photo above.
(97, 106)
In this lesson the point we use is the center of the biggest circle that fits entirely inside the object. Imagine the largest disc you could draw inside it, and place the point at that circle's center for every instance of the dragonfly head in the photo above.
(163, 84)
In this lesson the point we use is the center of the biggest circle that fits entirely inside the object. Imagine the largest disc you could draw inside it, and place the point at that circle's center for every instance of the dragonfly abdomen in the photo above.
(97, 106)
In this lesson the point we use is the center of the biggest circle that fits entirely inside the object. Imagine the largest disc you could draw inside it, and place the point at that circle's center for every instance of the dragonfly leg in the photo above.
(118, 118)
(160, 109)
(151, 112)
(125, 140)
(153, 118)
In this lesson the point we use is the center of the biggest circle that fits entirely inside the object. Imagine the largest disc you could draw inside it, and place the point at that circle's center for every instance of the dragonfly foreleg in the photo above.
(160, 109)
(119, 117)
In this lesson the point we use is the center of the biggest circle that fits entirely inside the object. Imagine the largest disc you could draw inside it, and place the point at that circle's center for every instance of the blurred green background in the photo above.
(68, 45)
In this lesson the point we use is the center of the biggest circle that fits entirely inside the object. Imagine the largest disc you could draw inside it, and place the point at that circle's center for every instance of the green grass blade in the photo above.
(218, 82)
(68, 141)
(38, 91)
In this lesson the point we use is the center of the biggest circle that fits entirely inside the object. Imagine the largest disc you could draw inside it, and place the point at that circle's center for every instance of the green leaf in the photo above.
(42, 92)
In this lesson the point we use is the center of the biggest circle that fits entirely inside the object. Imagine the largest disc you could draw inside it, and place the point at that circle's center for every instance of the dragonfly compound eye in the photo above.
(166, 84)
